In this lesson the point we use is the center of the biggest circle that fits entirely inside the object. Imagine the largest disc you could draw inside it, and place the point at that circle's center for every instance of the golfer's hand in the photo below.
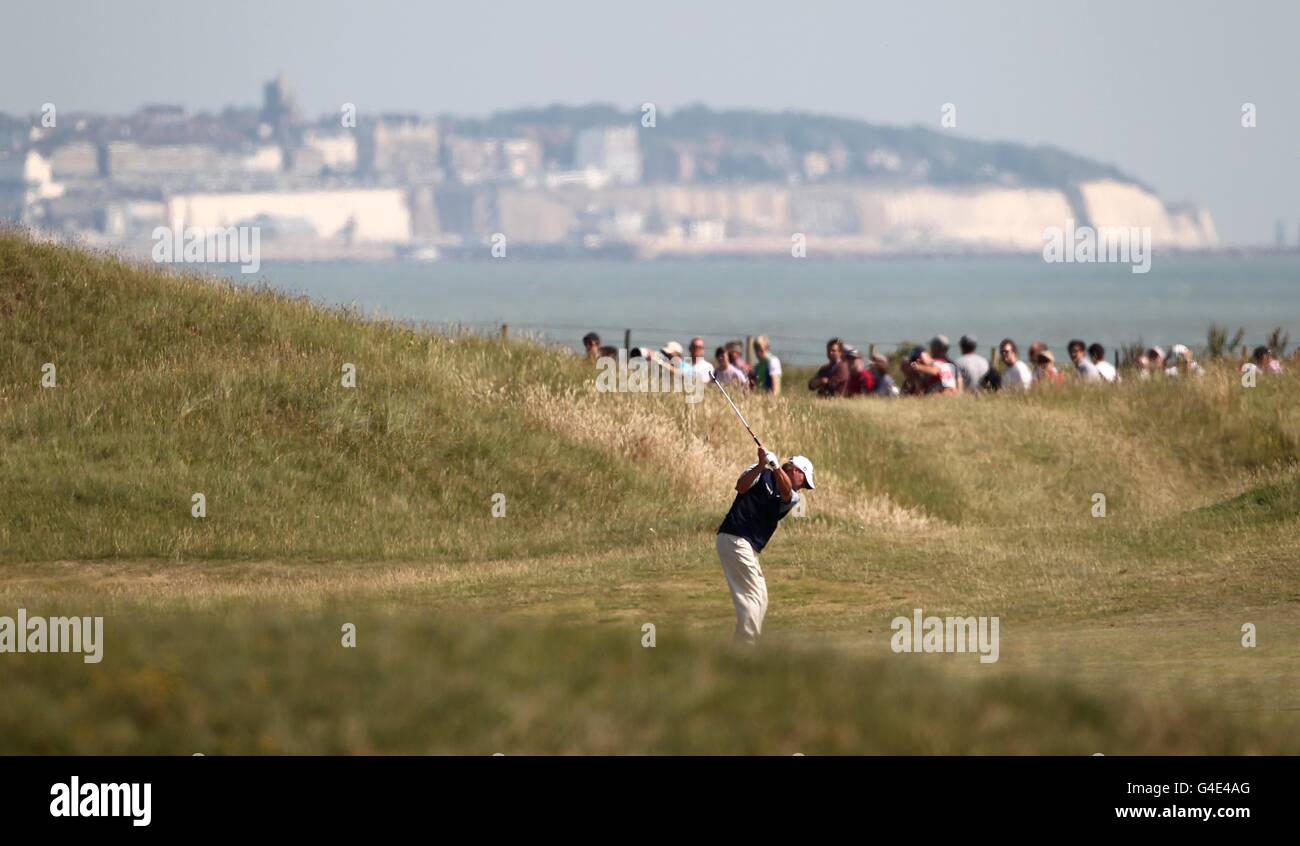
(762, 456)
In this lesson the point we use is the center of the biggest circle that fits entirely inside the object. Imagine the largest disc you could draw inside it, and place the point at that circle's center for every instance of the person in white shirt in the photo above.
(1016, 376)
(1156, 363)
(727, 373)
(1180, 358)
(1084, 368)
(1097, 353)
(703, 369)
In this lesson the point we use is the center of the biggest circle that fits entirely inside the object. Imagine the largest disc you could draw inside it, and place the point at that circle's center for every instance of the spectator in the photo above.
(861, 380)
(606, 352)
(1143, 366)
(726, 372)
(928, 375)
(698, 364)
(1097, 353)
(1265, 360)
(1084, 368)
(971, 366)
(992, 380)
(1045, 369)
(591, 346)
(1180, 358)
(767, 372)
(1155, 362)
(1016, 375)
(737, 360)
(1035, 350)
(913, 380)
(832, 378)
(939, 346)
(885, 384)
(672, 353)
(736, 352)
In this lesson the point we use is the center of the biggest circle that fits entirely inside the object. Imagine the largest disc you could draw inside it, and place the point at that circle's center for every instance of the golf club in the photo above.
(743, 422)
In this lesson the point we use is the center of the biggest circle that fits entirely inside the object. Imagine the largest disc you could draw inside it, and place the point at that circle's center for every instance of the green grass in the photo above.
(375, 504)
(416, 684)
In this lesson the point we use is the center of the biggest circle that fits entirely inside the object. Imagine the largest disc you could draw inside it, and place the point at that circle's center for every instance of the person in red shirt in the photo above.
(1045, 371)
(861, 380)
(925, 375)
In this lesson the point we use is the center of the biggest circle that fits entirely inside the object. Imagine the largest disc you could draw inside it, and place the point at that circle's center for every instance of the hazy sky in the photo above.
(1153, 87)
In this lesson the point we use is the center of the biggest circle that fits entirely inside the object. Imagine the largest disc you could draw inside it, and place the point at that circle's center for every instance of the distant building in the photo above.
(816, 165)
(471, 160)
(278, 111)
(25, 179)
(14, 133)
(534, 217)
(883, 159)
(127, 161)
(159, 115)
(400, 148)
(521, 158)
(616, 150)
(357, 215)
(708, 231)
(128, 217)
(475, 160)
(78, 160)
(458, 213)
(325, 151)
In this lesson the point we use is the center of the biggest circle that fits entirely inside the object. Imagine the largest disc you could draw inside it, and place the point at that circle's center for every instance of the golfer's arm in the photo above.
(746, 480)
(783, 484)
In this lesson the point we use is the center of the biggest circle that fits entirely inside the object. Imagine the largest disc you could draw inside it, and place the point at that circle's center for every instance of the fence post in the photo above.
(1117, 358)
(505, 331)
(871, 350)
(627, 339)
(749, 349)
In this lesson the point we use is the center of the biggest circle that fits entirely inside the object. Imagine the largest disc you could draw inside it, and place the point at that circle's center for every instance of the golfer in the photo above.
(765, 493)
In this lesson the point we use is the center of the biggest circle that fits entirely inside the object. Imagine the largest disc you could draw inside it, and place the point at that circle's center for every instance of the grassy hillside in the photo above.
(327, 504)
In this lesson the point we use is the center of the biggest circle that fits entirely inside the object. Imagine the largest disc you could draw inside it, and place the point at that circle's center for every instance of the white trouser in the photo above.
(748, 587)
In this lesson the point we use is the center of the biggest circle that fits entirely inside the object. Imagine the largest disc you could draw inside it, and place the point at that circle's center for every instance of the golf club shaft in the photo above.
(735, 409)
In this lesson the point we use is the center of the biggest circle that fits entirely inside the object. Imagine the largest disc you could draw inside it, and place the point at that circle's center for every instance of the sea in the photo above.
(801, 302)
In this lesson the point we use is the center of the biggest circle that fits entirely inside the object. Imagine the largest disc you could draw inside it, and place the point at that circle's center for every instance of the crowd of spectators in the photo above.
(924, 370)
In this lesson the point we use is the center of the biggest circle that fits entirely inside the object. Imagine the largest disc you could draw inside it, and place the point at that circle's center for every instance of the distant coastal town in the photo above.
(560, 181)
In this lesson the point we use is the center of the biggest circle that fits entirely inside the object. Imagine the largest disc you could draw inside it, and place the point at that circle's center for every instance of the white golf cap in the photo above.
(672, 348)
(806, 466)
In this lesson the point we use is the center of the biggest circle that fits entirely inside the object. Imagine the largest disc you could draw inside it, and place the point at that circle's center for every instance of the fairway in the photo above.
(500, 535)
